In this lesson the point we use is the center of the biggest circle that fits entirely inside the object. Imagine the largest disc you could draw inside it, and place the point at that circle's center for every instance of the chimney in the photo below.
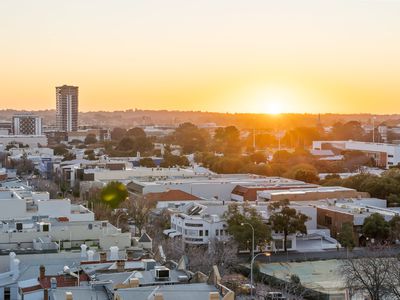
(129, 254)
(45, 294)
(120, 265)
(68, 296)
(42, 272)
(158, 296)
(214, 296)
(103, 256)
(133, 282)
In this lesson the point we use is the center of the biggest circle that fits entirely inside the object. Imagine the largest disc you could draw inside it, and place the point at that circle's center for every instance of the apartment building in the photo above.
(27, 124)
(200, 223)
(67, 108)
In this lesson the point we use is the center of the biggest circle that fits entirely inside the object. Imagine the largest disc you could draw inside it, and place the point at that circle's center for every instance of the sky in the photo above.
(262, 56)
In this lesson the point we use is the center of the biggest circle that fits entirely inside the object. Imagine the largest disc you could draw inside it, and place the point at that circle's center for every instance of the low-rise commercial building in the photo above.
(385, 155)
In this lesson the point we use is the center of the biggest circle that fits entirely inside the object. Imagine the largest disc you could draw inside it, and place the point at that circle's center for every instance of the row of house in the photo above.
(27, 217)
(113, 275)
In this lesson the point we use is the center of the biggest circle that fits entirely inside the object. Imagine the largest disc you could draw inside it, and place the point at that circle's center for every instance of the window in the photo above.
(216, 232)
(200, 232)
(90, 226)
(193, 225)
(328, 220)
(7, 293)
(206, 234)
(390, 155)
(221, 232)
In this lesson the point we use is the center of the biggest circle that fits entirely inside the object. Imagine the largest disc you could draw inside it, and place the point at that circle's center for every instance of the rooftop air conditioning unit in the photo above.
(162, 273)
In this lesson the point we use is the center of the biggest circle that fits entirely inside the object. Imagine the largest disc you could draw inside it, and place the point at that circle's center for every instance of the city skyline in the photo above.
(230, 56)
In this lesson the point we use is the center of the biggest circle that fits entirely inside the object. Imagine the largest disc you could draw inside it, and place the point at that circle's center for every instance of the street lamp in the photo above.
(251, 270)
(252, 253)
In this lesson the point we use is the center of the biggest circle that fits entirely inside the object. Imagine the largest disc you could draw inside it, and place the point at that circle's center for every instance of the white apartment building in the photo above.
(24, 234)
(197, 227)
(385, 155)
(25, 204)
(200, 224)
(26, 216)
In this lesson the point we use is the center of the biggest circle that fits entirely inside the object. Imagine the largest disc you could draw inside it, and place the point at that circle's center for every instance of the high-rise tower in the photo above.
(67, 108)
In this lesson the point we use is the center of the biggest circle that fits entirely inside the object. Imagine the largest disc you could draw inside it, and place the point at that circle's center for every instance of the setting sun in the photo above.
(273, 108)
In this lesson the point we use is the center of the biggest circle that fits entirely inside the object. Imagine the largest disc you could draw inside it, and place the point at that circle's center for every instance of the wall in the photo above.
(338, 219)
(13, 208)
(55, 208)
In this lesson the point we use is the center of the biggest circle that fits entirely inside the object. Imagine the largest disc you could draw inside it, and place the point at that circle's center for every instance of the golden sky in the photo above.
(212, 55)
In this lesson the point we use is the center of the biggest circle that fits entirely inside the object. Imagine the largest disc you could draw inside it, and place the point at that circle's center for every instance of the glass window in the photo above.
(206, 233)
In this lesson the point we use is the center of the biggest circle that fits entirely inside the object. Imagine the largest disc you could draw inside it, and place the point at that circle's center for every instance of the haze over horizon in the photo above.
(258, 56)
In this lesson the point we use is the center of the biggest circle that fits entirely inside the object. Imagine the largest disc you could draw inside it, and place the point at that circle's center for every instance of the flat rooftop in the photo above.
(239, 179)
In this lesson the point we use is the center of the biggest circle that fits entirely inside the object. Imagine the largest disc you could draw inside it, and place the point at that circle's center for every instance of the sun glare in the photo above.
(273, 108)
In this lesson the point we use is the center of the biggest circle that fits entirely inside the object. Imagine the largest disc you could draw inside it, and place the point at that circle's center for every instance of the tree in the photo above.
(69, 156)
(346, 236)
(190, 138)
(222, 254)
(139, 210)
(394, 227)
(281, 156)
(44, 185)
(374, 274)
(90, 154)
(117, 133)
(286, 219)
(126, 144)
(227, 140)
(219, 253)
(301, 137)
(376, 227)
(349, 131)
(113, 194)
(90, 139)
(147, 162)
(354, 159)
(239, 214)
(136, 132)
(60, 150)
(258, 157)
(23, 165)
(174, 160)
(303, 172)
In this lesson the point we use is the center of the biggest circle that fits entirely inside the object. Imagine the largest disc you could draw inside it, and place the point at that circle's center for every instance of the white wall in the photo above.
(55, 208)
(14, 208)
